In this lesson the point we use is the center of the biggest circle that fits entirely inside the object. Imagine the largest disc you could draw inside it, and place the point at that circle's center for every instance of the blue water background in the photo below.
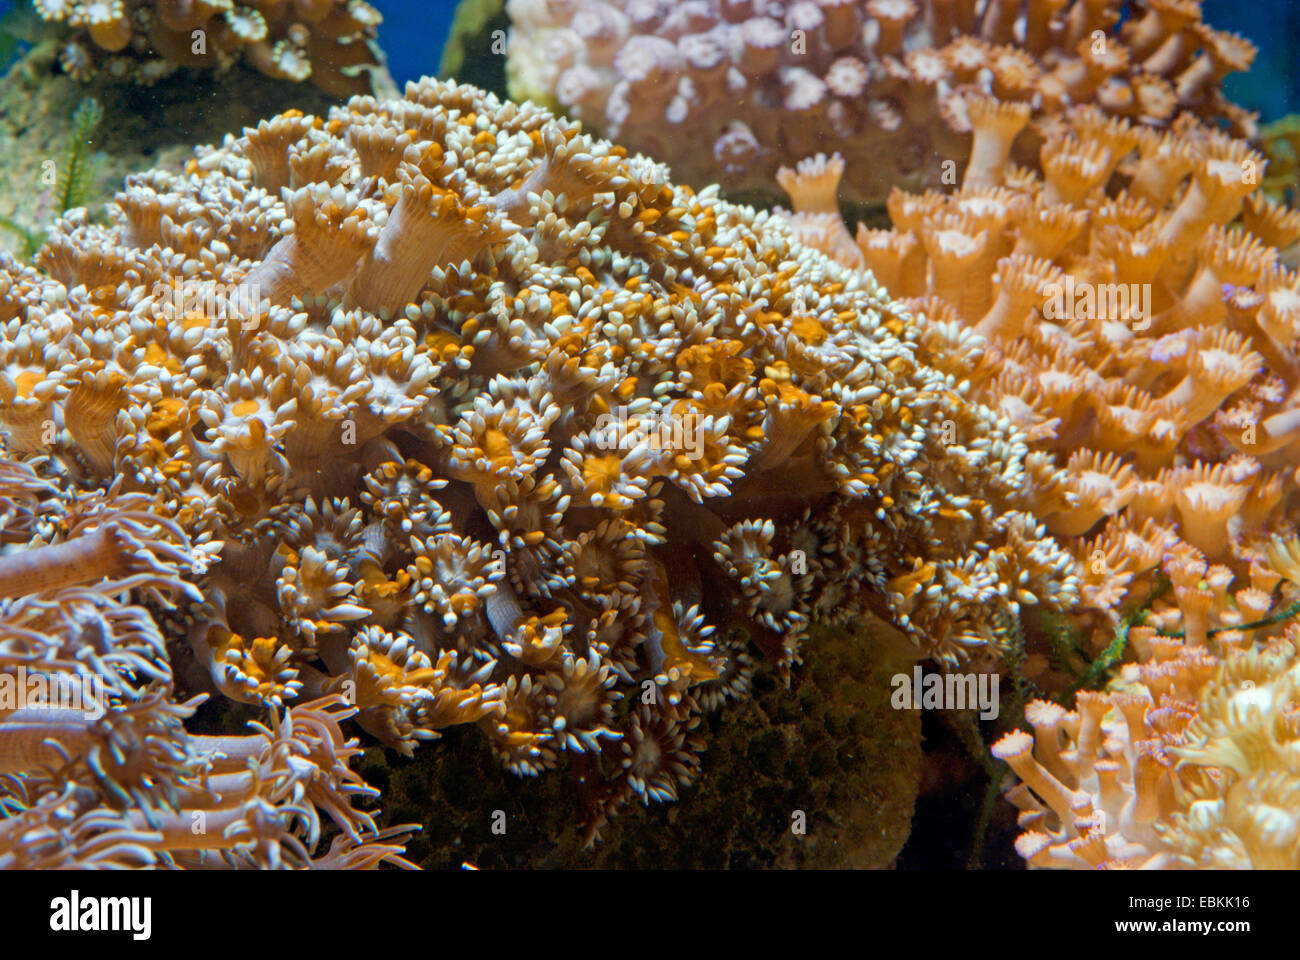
(414, 31)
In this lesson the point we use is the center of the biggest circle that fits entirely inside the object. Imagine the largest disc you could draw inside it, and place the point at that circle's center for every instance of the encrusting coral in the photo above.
(1138, 322)
(329, 42)
(728, 90)
(495, 425)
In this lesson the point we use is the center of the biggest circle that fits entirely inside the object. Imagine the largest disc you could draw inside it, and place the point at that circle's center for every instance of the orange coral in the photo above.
(496, 425)
(1140, 328)
(1190, 764)
(1138, 331)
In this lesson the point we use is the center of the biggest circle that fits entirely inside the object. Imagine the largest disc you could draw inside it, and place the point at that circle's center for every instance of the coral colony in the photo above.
(439, 410)
(329, 42)
(728, 90)
(402, 486)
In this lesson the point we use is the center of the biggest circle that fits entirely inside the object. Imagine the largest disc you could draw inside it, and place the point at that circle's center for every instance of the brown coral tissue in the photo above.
(329, 42)
(728, 90)
(440, 411)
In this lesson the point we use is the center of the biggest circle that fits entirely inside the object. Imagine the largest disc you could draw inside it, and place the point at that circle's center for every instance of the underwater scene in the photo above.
(622, 434)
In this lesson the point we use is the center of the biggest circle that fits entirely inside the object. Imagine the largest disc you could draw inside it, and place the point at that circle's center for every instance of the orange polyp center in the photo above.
(497, 446)
(27, 381)
(602, 471)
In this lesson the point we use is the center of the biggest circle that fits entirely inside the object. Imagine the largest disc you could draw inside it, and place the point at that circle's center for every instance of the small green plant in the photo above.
(76, 176)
